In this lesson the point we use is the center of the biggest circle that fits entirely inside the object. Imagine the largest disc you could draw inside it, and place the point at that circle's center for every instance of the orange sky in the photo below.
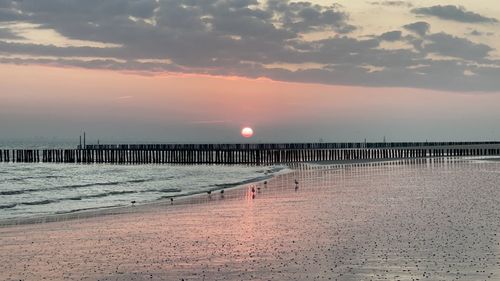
(50, 101)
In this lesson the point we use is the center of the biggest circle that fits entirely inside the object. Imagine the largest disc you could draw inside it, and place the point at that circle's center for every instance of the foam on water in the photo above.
(43, 189)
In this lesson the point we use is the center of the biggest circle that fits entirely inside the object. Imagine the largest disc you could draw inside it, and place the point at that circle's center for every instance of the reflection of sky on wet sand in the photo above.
(423, 219)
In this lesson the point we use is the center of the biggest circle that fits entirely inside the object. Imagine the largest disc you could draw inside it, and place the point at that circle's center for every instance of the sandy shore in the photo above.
(417, 220)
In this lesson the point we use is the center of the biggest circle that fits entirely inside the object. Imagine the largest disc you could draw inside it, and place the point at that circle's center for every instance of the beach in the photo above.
(41, 190)
(426, 219)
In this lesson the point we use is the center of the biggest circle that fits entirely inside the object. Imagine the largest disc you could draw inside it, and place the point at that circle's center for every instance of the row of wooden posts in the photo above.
(248, 156)
(285, 146)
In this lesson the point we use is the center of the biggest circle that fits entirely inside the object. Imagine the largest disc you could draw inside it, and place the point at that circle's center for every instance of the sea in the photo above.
(41, 189)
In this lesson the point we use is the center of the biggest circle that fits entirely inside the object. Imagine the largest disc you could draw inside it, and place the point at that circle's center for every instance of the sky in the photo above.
(200, 70)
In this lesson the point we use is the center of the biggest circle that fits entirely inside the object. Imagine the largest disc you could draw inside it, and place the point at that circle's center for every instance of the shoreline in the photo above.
(186, 199)
(179, 200)
(231, 191)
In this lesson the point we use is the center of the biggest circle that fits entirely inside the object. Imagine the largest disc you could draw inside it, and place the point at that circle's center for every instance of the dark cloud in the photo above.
(480, 33)
(476, 33)
(445, 44)
(448, 45)
(305, 16)
(247, 38)
(108, 64)
(421, 28)
(454, 13)
(50, 50)
(391, 36)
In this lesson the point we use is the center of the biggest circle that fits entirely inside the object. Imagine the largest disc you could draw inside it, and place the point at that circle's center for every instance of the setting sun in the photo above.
(247, 132)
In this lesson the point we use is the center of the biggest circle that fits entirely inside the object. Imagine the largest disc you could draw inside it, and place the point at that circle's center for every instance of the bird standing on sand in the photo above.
(133, 203)
(253, 192)
(296, 182)
(171, 200)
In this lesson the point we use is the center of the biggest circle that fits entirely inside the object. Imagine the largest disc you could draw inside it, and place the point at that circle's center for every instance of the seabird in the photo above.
(133, 203)
(171, 200)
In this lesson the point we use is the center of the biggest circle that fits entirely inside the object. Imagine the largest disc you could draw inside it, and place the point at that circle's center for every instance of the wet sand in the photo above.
(412, 220)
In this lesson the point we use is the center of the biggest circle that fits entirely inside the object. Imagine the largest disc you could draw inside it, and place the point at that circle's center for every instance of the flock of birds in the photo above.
(209, 192)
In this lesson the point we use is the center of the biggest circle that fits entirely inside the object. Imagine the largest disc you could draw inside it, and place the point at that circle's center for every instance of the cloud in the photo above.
(8, 12)
(6, 33)
(480, 33)
(476, 33)
(391, 36)
(305, 16)
(453, 13)
(393, 3)
(448, 45)
(250, 39)
(421, 28)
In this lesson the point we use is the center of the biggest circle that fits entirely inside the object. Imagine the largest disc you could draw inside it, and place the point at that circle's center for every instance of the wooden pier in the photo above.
(257, 154)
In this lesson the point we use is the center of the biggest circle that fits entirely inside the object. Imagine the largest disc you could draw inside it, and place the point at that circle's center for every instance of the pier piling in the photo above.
(258, 154)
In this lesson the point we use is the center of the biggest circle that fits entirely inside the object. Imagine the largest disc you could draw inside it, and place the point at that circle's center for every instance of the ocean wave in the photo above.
(41, 202)
(100, 190)
(9, 206)
(34, 177)
(121, 192)
(82, 197)
(13, 192)
(90, 196)
(86, 209)
(75, 186)
(165, 190)
(101, 195)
